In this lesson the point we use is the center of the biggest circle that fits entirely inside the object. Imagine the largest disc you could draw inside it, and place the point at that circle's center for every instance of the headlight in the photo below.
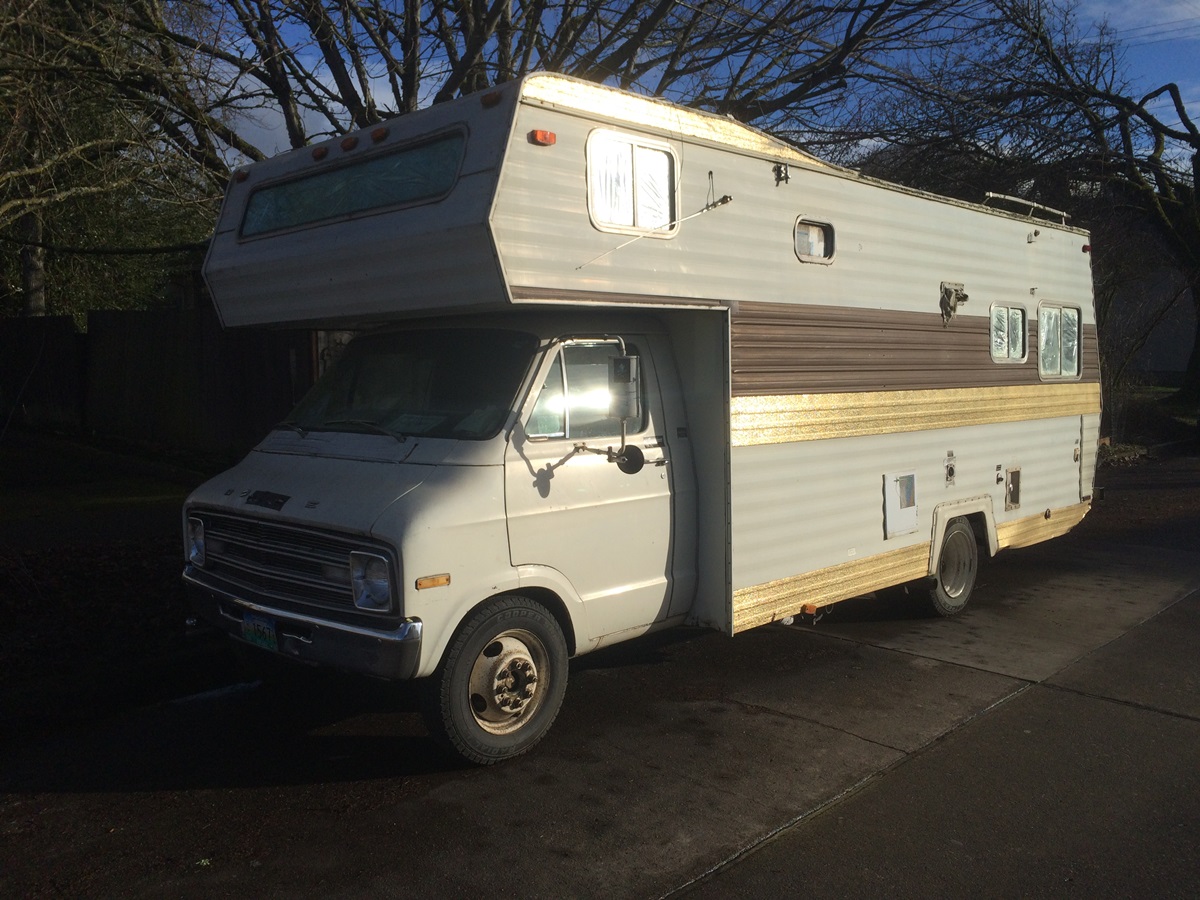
(371, 581)
(195, 541)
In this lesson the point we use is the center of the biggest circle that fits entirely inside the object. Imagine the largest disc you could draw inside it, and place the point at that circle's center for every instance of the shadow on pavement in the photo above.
(309, 730)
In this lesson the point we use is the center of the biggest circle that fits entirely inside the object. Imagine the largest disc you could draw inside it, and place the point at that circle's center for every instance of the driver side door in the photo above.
(606, 528)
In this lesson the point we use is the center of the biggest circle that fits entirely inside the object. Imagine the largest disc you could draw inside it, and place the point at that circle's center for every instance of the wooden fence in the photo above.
(170, 379)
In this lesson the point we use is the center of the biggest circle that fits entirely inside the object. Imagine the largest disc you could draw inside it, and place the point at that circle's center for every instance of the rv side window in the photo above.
(631, 184)
(574, 399)
(814, 241)
(1058, 342)
(1008, 333)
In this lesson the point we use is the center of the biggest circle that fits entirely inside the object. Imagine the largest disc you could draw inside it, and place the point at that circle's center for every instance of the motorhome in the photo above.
(623, 365)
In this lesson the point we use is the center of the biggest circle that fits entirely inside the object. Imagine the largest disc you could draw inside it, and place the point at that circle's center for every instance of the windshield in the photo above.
(447, 383)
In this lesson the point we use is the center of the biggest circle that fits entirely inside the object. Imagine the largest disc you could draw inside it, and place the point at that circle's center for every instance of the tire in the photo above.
(950, 588)
(501, 683)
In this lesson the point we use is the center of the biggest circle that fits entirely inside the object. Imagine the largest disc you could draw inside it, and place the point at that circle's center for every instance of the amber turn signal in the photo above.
(432, 581)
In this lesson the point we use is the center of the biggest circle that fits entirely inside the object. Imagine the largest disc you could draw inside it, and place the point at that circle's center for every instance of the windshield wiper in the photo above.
(292, 426)
(368, 424)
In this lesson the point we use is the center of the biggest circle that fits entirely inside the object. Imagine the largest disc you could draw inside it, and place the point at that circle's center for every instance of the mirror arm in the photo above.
(619, 455)
(613, 456)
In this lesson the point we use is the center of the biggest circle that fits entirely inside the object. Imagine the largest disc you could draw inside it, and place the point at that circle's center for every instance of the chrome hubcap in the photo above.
(954, 568)
(506, 680)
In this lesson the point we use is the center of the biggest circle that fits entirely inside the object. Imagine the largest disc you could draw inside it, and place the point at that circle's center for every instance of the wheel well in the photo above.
(554, 606)
(978, 523)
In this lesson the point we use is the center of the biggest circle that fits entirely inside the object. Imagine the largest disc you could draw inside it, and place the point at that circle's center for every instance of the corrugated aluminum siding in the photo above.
(783, 348)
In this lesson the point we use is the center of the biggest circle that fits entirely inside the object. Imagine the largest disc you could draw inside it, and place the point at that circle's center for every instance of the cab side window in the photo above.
(573, 401)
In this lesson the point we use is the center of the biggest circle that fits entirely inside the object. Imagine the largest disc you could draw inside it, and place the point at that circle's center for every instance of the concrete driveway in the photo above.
(1044, 743)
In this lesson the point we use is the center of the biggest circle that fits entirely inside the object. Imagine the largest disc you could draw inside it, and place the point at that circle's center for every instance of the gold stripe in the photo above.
(782, 418)
(763, 603)
(1035, 529)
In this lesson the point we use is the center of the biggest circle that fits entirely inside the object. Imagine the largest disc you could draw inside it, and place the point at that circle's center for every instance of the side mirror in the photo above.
(624, 388)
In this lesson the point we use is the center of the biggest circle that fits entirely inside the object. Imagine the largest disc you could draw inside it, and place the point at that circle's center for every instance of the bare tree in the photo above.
(85, 164)
(1035, 105)
(1007, 87)
(321, 67)
(173, 93)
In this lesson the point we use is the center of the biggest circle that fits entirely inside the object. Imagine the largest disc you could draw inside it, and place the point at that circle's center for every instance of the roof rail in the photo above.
(1021, 201)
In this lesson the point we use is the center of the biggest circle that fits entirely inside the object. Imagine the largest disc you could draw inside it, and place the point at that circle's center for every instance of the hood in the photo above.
(343, 489)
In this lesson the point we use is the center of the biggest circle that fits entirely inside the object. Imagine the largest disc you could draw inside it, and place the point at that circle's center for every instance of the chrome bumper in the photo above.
(384, 654)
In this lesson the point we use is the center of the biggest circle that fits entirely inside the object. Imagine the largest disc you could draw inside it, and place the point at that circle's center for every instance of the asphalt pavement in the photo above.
(1044, 743)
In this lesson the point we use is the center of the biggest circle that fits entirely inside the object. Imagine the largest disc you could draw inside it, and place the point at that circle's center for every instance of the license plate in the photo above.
(260, 631)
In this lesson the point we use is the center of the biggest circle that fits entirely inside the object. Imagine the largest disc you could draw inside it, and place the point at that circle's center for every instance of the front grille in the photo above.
(272, 562)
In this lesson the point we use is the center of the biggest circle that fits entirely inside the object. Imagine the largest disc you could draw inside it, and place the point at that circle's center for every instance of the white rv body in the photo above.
(837, 375)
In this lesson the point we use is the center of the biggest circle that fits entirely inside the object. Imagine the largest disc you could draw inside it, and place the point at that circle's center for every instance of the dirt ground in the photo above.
(92, 611)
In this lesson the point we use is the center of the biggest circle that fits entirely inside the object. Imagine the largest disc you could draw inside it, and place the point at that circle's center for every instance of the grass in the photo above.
(90, 593)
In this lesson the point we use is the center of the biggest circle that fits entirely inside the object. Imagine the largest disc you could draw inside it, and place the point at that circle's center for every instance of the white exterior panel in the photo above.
(894, 245)
(426, 257)
(812, 505)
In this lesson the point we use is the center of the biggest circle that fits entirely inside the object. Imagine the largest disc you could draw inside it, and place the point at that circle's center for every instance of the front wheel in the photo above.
(951, 587)
(501, 683)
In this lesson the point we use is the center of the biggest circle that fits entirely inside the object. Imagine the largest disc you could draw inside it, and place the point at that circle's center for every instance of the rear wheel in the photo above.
(958, 563)
(501, 683)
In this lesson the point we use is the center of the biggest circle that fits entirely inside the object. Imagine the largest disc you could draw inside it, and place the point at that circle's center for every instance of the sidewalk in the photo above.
(1086, 785)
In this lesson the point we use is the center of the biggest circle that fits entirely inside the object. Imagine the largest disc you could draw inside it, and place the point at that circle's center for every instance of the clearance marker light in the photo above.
(379, 134)
(349, 143)
(490, 99)
(542, 138)
(432, 581)
(319, 153)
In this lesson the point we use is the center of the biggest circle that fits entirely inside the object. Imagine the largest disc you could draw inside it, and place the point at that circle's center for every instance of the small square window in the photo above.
(814, 241)
(1008, 333)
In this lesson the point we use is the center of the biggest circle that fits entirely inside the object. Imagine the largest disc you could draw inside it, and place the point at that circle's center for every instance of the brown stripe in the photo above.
(782, 348)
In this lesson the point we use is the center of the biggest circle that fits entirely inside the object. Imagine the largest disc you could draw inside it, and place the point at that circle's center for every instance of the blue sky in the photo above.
(1162, 43)
(1161, 39)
